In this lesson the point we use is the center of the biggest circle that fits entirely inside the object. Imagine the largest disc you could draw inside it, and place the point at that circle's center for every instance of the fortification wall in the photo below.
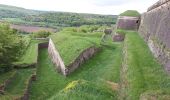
(56, 58)
(155, 29)
(84, 56)
(59, 64)
(128, 23)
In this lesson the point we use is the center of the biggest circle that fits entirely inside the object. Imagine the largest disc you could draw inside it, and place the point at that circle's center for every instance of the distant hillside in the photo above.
(15, 12)
(18, 15)
(132, 13)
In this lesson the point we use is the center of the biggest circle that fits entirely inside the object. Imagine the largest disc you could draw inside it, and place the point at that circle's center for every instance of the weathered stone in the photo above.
(128, 23)
(155, 29)
(85, 55)
(56, 58)
(118, 37)
(158, 4)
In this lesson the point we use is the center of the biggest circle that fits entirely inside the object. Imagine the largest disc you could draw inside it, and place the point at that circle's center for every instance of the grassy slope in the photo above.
(5, 76)
(71, 44)
(79, 90)
(99, 69)
(131, 13)
(144, 73)
(31, 53)
(18, 85)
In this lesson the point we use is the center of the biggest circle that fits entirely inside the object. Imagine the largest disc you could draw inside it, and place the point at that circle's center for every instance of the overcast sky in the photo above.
(113, 7)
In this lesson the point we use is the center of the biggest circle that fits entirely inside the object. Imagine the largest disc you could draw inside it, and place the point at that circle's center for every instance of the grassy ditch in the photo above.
(29, 58)
(16, 88)
(95, 72)
(143, 72)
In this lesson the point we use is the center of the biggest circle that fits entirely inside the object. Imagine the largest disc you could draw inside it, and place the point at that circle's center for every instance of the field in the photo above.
(30, 29)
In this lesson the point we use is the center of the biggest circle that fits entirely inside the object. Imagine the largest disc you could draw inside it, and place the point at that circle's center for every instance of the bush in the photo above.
(41, 34)
(10, 46)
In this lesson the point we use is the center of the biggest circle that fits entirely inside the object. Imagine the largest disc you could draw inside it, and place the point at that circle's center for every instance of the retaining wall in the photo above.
(84, 56)
(56, 58)
(155, 29)
(128, 23)
(59, 64)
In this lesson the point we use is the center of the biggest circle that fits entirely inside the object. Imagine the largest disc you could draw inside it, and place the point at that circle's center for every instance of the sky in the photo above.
(113, 7)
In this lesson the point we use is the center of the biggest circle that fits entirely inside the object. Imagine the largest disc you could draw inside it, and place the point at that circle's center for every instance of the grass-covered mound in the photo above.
(6, 75)
(131, 13)
(70, 44)
(29, 57)
(18, 85)
(144, 73)
(84, 90)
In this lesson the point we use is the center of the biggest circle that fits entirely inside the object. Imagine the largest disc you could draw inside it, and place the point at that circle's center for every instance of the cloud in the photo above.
(83, 6)
(109, 2)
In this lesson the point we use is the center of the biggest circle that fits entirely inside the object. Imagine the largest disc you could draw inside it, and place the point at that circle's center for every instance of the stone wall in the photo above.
(84, 56)
(157, 4)
(128, 23)
(155, 29)
(56, 58)
(59, 64)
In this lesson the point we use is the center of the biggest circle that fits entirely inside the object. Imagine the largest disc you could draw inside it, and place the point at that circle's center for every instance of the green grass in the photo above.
(5, 76)
(71, 44)
(30, 55)
(79, 90)
(96, 71)
(131, 13)
(17, 85)
(144, 72)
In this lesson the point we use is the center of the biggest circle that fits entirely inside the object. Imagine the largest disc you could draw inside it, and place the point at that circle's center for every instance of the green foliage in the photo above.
(15, 12)
(88, 28)
(52, 19)
(41, 34)
(10, 46)
(131, 13)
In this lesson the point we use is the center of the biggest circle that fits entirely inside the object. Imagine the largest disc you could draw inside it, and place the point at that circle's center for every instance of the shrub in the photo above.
(41, 34)
(10, 46)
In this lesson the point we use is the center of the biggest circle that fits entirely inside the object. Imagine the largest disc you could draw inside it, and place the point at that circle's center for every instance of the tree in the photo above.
(10, 46)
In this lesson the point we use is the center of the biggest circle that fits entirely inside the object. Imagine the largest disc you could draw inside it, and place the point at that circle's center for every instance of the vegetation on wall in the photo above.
(131, 13)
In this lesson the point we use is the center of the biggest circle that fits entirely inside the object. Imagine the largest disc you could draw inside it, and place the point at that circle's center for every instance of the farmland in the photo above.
(30, 29)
